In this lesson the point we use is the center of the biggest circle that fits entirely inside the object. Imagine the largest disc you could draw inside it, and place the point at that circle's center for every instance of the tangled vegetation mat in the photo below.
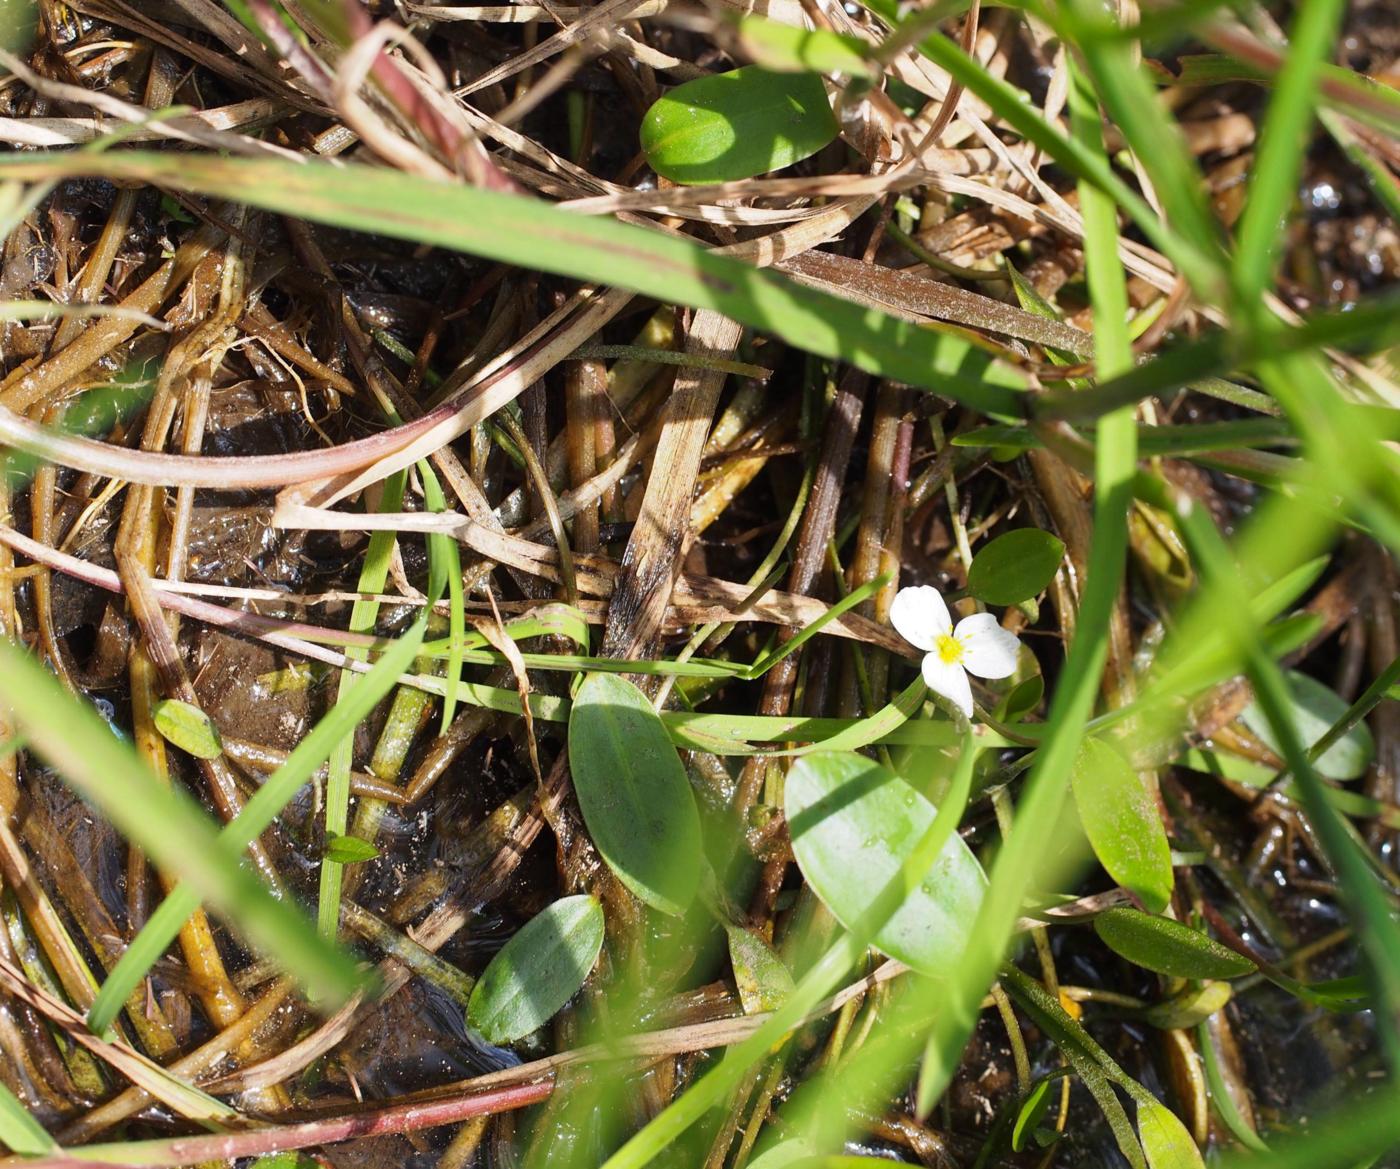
(696, 583)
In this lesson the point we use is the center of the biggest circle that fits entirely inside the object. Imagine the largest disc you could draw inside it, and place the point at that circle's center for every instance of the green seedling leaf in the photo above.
(1313, 710)
(785, 48)
(764, 982)
(1033, 1110)
(1164, 1138)
(1121, 821)
(286, 1161)
(349, 850)
(633, 792)
(852, 823)
(186, 726)
(737, 125)
(1168, 947)
(539, 970)
(1015, 567)
(1192, 1006)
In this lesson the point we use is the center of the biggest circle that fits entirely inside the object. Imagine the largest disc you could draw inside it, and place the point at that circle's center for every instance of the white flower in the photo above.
(978, 645)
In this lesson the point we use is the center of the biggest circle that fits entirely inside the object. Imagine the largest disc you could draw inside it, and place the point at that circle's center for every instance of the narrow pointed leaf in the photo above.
(634, 794)
(1168, 947)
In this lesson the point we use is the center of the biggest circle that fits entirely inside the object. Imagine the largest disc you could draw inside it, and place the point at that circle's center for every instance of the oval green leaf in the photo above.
(1168, 947)
(1164, 1138)
(736, 125)
(1122, 824)
(349, 850)
(633, 792)
(1015, 567)
(764, 982)
(1313, 711)
(187, 727)
(539, 970)
(852, 824)
(785, 48)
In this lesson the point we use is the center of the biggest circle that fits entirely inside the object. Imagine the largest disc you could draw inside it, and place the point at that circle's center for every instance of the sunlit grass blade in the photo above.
(167, 824)
(535, 235)
(1279, 160)
(264, 806)
(374, 572)
(19, 1130)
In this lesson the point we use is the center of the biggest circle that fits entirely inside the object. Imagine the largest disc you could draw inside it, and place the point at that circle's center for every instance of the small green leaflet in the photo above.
(349, 850)
(185, 726)
(1168, 947)
(1015, 567)
(539, 970)
(737, 125)
(1122, 824)
(852, 823)
(1164, 1138)
(764, 982)
(634, 794)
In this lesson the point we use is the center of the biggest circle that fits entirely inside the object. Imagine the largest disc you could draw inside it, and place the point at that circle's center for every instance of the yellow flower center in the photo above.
(948, 648)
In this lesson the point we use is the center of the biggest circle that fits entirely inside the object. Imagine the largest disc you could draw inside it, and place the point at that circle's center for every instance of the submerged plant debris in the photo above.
(467, 471)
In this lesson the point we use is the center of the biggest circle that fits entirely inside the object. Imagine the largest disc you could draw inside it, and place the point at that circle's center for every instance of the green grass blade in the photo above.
(1279, 161)
(535, 235)
(165, 822)
(20, 1131)
(363, 615)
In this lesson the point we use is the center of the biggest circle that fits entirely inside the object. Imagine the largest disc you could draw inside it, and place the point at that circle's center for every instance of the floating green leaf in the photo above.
(1015, 567)
(1164, 1138)
(633, 792)
(188, 727)
(852, 823)
(349, 850)
(1122, 823)
(764, 982)
(736, 125)
(785, 48)
(286, 1161)
(1314, 708)
(1168, 947)
(539, 970)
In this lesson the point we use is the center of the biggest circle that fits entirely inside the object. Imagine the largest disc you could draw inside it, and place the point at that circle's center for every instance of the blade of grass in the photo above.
(264, 806)
(19, 1130)
(167, 824)
(535, 235)
(1273, 180)
(1115, 460)
(363, 615)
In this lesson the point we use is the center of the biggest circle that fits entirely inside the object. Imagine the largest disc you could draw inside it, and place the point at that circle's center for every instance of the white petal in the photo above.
(920, 615)
(950, 680)
(988, 650)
